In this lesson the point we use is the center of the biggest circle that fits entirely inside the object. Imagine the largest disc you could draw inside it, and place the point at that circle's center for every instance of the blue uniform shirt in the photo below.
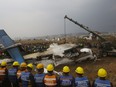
(102, 83)
(67, 80)
(25, 78)
(81, 82)
(39, 80)
(12, 74)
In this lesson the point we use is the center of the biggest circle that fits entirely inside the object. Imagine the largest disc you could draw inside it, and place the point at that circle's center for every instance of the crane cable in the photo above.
(65, 30)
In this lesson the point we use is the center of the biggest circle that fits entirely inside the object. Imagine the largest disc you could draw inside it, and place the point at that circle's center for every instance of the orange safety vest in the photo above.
(2, 73)
(19, 73)
(50, 80)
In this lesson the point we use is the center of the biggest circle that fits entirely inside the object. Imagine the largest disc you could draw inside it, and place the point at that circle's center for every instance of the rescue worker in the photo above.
(27, 77)
(4, 75)
(101, 80)
(39, 77)
(50, 79)
(80, 80)
(12, 74)
(23, 67)
(66, 80)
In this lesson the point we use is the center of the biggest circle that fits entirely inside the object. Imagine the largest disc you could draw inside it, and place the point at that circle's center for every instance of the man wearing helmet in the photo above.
(80, 80)
(27, 77)
(66, 80)
(23, 67)
(4, 81)
(12, 74)
(39, 77)
(101, 80)
(50, 79)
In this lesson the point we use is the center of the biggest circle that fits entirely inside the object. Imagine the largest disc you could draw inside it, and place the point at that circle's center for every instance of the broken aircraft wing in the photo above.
(12, 48)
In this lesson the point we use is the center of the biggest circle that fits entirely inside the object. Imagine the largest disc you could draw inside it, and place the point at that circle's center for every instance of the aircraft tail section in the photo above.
(13, 51)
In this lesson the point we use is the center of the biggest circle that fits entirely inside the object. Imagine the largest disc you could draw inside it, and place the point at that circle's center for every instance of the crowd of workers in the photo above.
(23, 77)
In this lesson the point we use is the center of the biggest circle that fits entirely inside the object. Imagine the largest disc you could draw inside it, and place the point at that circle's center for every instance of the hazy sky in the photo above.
(32, 18)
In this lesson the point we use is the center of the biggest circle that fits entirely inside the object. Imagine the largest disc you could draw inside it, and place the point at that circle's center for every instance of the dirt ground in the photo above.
(91, 68)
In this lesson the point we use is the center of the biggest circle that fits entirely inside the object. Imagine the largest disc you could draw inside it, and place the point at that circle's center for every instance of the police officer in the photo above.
(101, 80)
(27, 77)
(23, 67)
(66, 80)
(39, 77)
(50, 79)
(4, 81)
(80, 80)
(12, 74)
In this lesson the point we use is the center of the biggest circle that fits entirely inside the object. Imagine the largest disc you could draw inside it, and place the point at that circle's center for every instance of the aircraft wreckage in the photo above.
(61, 54)
(55, 54)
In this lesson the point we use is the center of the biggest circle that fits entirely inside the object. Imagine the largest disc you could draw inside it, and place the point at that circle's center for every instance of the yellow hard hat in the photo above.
(79, 70)
(23, 64)
(30, 65)
(102, 72)
(3, 63)
(50, 67)
(40, 66)
(16, 63)
(66, 69)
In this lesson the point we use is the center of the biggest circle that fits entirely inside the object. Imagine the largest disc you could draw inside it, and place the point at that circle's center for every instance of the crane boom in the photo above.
(84, 27)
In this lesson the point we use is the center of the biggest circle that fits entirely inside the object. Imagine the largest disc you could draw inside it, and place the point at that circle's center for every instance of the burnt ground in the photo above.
(91, 68)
